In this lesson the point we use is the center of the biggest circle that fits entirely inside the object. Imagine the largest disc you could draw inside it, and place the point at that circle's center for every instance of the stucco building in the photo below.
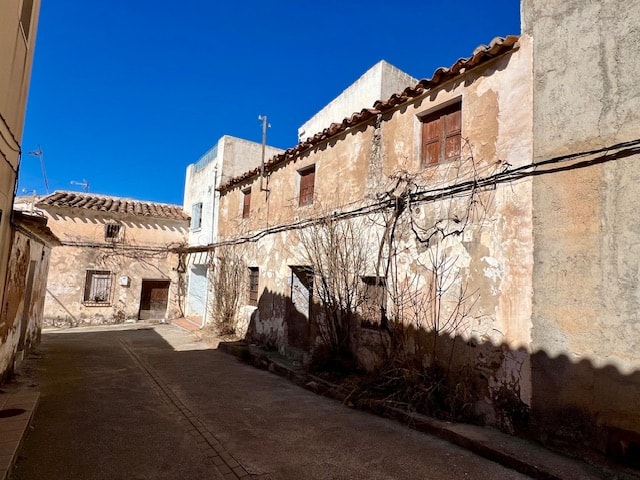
(382, 169)
(230, 157)
(480, 221)
(114, 264)
(17, 42)
(25, 287)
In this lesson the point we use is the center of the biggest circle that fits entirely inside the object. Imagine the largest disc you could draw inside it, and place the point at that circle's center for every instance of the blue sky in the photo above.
(125, 94)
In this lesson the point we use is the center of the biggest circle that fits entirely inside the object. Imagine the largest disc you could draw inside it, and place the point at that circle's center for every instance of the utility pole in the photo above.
(38, 153)
(265, 125)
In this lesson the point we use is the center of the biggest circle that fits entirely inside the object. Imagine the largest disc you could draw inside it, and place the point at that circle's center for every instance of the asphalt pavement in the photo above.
(153, 403)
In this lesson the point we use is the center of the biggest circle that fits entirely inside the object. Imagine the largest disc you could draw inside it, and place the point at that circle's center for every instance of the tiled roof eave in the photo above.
(481, 55)
(111, 206)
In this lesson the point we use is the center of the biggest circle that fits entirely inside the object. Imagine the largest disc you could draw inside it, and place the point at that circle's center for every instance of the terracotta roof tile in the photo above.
(498, 46)
(35, 225)
(103, 203)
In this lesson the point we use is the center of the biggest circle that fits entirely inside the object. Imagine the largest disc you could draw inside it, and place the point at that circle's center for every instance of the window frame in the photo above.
(119, 232)
(92, 277)
(196, 207)
(307, 185)
(442, 128)
(254, 286)
(246, 202)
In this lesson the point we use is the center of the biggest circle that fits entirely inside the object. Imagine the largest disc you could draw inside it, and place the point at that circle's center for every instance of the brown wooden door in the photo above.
(153, 299)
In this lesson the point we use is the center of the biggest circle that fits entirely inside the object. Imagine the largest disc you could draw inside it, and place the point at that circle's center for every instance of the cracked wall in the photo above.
(493, 256)
(587, 256)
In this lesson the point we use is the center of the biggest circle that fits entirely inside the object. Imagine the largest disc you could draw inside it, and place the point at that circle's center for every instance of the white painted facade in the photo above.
(378, 83)
(229, 158)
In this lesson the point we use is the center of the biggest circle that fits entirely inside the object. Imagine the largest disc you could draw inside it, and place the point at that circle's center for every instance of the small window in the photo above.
(113, 232)
(25, 17)
(374, 302)
(97, 287)
(441, 135)
(246, 203)
(196, 216)
(254, 277)
(307, 185)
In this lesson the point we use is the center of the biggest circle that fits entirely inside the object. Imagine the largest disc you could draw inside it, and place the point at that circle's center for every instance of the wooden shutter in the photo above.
(452, 137)
(432, 141)
(254, 276)
(441, 135)
(307, 181)
(246, 204)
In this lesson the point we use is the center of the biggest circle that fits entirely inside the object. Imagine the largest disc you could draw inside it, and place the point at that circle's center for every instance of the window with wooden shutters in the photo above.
(254, 276)
(246, 203)
(441, 135)
(97, 287)
(307, 181)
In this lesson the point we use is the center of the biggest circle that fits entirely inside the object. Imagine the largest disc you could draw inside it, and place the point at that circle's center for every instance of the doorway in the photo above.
(153, 299)
(299, 306)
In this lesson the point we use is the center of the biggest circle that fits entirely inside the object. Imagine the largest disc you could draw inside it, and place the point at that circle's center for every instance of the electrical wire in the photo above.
(601, 155)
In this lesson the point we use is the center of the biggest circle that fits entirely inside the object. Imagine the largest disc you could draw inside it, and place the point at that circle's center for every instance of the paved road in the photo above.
(153, 404)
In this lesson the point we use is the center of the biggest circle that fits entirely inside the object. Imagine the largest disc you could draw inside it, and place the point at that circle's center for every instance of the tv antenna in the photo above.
(84, 184)
(38, 153)
(265, 125)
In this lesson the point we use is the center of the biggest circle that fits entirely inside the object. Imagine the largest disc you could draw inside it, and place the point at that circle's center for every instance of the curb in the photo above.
(13, 429)
(512, 452)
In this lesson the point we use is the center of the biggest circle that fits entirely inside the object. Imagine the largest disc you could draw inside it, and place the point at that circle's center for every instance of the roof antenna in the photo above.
(38, 153)
(265, 125)
(84, 184)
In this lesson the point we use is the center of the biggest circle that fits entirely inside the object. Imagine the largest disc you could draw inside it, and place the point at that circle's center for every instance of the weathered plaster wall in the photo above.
(493, 256)
(16, 56)
(25, 254)
(587, 259)
(142, 255)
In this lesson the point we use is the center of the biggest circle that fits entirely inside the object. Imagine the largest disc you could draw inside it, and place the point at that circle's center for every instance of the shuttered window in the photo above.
(441, 135)
(307, 185)
(246, 203)
(254, 277)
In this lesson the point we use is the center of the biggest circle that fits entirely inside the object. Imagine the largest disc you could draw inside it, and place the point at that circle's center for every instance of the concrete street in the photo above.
(153, 403)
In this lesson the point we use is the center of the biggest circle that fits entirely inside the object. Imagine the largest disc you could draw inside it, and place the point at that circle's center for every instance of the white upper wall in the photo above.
(378, 83)
(229, 158)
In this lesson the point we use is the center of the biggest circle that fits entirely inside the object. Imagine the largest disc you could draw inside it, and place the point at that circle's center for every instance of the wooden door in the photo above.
(153, 299)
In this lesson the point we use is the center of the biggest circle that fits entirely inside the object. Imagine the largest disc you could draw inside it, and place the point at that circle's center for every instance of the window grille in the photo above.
(112, 232)
(97, 288)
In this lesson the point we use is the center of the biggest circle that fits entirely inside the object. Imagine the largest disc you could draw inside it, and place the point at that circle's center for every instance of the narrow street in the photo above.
(151, 403)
